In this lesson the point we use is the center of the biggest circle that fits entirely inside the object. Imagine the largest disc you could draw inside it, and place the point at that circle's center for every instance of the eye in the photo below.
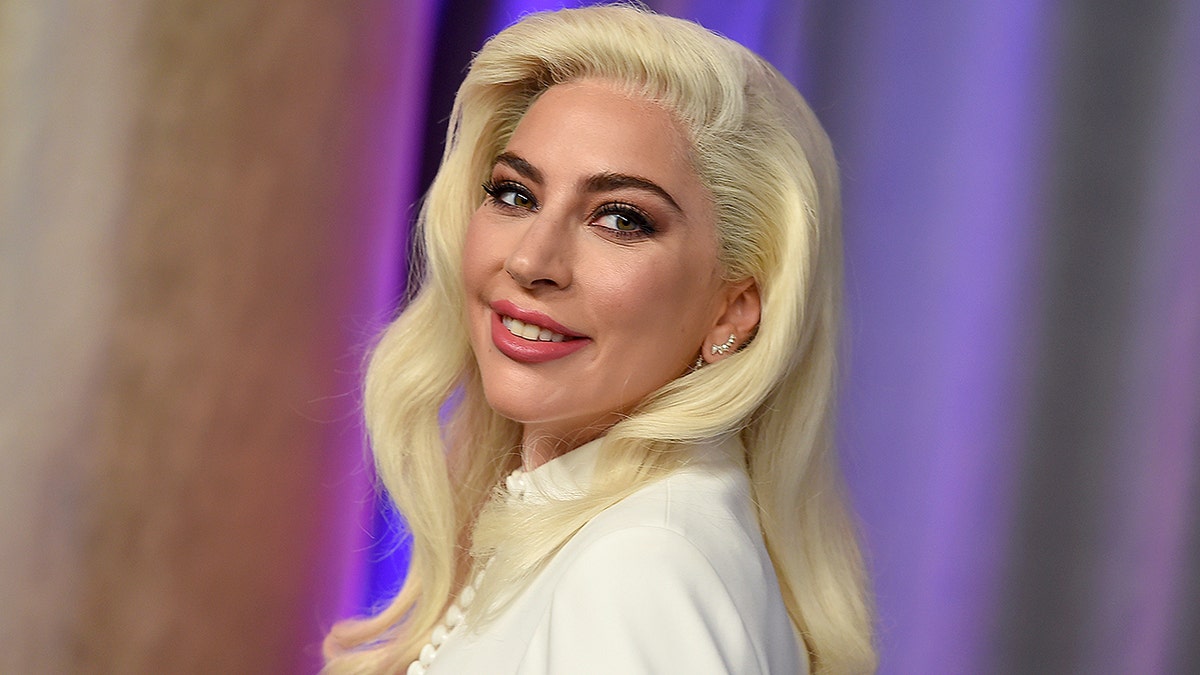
(509, 193)
(623, 220)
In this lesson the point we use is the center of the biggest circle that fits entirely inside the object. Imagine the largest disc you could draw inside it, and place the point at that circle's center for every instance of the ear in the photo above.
(740, 311)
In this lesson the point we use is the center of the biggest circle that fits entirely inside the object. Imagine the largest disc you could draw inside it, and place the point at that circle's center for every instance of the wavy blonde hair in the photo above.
(770, 169)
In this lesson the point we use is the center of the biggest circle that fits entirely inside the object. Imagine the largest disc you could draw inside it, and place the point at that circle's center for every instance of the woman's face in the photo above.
(591, 267)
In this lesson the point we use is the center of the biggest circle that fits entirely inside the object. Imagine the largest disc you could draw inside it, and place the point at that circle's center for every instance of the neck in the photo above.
(540, 446)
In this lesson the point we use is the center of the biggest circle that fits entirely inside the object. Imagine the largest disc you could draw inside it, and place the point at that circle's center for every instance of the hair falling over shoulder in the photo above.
(771, 172)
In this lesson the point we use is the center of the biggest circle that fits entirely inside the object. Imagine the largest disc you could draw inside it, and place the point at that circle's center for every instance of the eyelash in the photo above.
(495, 189)
(636, 217)
(629, 212)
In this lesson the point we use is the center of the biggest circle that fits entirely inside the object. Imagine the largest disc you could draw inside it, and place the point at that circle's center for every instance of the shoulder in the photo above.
(694, 532)
(702, 510)
(674, 578)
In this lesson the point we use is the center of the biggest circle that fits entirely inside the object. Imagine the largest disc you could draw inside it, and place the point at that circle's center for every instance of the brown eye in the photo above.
(510, 194)
(516, 199)
(624, 220)
(616, 221)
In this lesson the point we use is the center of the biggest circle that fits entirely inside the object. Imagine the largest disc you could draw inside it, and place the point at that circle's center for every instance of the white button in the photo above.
(467, 595)
(454, 616)
(416, 669)
(439, 635)
(427, 654)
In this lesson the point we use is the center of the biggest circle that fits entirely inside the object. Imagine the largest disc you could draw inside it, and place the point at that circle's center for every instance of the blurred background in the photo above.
(203, 223)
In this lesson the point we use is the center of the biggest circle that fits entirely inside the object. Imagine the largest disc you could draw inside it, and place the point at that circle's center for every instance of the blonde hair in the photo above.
(770, 170)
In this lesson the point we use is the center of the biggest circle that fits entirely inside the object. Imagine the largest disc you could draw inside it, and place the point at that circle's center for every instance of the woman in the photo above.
(639, 309)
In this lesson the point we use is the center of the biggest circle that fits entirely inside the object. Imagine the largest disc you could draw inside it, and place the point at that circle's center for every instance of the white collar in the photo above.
(564, 477)
(569, 475)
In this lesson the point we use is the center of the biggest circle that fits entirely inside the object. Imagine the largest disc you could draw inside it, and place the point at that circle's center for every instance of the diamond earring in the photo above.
(723, 349)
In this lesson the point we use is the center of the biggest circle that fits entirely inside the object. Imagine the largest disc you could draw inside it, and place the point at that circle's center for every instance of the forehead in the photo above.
(595, 126)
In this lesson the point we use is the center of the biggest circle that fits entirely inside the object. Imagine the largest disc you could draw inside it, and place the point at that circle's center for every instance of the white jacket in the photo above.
(673, 579)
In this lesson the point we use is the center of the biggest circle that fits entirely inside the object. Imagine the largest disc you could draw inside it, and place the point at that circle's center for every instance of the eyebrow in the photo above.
(521, 166)
(602, 182)
(613, 181)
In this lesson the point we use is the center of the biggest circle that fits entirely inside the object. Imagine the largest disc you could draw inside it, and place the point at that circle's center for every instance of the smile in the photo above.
(530, 331)
(531, 337)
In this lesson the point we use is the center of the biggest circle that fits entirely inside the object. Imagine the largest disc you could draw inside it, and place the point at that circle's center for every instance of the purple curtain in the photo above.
(1021, 395)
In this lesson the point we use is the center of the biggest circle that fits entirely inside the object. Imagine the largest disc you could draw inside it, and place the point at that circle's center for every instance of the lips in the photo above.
(532, 337)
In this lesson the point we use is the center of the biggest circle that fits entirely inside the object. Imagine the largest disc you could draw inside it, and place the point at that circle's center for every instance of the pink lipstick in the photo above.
(532, 337)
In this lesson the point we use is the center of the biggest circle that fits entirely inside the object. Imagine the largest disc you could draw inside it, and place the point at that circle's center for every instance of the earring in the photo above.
(699, 362)
(723, 349)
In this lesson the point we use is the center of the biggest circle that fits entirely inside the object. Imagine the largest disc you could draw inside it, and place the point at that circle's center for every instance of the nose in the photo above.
(542, 256)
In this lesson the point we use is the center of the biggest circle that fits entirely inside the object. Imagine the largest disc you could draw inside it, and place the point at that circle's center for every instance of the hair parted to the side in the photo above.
(771, 172)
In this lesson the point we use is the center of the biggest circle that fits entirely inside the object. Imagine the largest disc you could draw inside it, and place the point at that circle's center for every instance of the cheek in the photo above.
(478, 274)
(476, 257)
(663, 306)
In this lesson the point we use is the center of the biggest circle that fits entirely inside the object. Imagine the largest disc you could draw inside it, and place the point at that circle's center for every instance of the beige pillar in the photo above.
(199, 212)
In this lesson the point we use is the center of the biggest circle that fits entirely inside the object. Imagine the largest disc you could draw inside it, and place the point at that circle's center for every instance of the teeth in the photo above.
(530, 331)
